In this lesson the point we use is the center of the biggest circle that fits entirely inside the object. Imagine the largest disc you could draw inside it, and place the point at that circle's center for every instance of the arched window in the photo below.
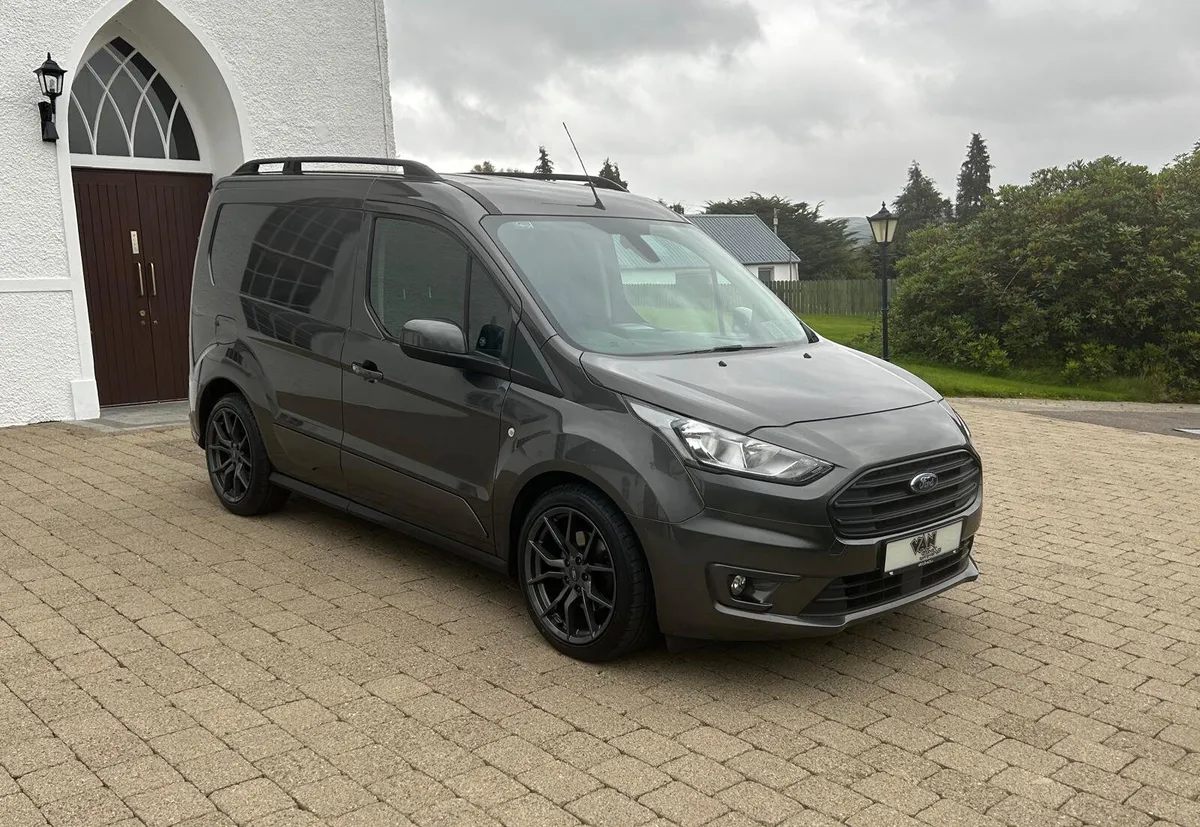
(121, 105)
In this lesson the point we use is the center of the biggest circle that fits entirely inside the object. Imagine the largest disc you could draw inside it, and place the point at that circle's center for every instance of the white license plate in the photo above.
(927, 546)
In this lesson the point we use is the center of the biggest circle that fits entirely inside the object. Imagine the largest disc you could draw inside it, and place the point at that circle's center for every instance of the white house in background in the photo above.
(748, 239)
(99, 231)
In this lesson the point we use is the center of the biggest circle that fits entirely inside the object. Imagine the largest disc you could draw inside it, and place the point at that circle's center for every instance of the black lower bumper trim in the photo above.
(856, 592)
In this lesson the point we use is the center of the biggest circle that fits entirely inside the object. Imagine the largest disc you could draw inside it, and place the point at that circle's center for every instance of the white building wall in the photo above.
(270, 77)
(782, 272)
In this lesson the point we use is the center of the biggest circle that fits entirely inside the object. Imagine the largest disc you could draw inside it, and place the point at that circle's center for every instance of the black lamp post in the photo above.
(883, 227)
(50, 74)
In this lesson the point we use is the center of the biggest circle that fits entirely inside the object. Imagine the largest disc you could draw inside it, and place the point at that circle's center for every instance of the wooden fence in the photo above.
(849, 297)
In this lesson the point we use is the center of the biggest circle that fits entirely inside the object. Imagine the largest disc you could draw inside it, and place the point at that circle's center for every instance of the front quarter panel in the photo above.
(604, 445)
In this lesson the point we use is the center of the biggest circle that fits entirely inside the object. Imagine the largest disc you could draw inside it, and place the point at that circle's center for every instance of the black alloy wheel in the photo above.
(571, 576)
(229, 455)
(237, 461)
(586, 582)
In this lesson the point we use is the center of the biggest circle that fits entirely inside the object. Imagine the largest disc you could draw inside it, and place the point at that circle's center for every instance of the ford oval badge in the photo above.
(923, 482)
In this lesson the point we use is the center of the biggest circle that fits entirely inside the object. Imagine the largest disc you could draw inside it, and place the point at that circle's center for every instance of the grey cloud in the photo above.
(820, 100)
(508, 48)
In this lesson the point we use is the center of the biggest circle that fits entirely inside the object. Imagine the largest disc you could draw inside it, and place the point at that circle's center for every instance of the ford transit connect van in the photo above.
(574, 385)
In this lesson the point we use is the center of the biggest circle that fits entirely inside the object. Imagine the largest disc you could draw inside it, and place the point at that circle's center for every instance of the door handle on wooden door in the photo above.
(153, 281)
(141, 281)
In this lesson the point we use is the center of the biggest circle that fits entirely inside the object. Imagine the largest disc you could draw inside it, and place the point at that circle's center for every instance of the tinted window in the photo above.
(418, 271)
(489, 316)
(299, 258)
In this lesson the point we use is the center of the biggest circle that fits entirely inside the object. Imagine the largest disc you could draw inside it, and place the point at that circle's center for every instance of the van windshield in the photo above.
(627, 286)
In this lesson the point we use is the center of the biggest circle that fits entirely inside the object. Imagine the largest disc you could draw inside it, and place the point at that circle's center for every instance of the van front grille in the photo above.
(880, 502)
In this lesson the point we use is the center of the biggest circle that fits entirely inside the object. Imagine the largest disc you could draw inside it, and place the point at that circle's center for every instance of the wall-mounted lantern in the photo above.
(50, 74)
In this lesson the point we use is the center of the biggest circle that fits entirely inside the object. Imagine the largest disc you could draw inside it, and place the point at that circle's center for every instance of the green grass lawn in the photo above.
(956, 382)
(841, 329)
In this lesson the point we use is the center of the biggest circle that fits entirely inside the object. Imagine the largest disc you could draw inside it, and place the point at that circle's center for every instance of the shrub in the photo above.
(1092, 269)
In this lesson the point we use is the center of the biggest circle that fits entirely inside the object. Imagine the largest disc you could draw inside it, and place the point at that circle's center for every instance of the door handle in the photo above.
(367, 370)
(153, 281)
(141, 281)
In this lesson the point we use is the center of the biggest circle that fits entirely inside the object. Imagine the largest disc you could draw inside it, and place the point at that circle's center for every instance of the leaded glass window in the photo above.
(122, 105)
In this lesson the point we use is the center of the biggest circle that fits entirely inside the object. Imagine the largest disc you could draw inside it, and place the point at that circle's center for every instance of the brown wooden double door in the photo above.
(138, 232)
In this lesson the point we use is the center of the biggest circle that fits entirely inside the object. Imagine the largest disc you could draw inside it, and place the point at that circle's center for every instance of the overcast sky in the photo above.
(815, 100)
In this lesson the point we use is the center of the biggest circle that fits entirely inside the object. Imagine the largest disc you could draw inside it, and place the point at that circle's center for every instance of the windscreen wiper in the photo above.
(726, 349)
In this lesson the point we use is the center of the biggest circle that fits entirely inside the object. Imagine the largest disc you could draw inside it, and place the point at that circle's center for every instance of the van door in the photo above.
(421, 439)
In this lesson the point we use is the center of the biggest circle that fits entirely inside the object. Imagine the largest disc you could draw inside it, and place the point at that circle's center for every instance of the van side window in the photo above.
(296, 258)
(418, 271)
(489, 316)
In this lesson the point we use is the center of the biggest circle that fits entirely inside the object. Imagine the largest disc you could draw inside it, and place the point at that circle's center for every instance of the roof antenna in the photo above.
(599, 204)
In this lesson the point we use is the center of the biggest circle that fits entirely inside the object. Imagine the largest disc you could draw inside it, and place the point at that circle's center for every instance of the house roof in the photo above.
(746, 237)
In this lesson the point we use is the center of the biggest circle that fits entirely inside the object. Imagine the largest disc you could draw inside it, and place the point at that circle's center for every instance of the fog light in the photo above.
(737, 585)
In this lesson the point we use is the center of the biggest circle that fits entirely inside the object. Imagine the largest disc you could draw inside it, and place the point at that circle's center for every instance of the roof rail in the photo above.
(295, 165)
(595, 180)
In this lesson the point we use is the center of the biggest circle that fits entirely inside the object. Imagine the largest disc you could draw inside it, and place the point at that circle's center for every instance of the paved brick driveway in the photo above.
(163, 662)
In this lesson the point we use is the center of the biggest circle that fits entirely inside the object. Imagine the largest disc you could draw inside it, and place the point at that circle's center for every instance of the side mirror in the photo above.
(427, 338)
(742, 319)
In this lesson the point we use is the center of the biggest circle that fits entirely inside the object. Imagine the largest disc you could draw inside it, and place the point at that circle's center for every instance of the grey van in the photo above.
(571, 384)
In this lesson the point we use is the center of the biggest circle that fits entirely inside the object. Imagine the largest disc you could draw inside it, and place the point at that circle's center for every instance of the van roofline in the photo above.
(496, 193)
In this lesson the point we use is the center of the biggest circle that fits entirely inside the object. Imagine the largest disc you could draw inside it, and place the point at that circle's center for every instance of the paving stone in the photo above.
(333, 796)
(139, 775)
(251, 799)
(169, 805)
(98, 807)
(649, 746)
(373, 815)
(486, 787)
(683, 805)
(533, 811)
(18, 810)
(767, 806)
(558, 781)
(217, 770)
(609, 808)
(57, 782)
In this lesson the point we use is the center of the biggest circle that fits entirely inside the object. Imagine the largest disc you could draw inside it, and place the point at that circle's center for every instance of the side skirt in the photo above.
(338, 503)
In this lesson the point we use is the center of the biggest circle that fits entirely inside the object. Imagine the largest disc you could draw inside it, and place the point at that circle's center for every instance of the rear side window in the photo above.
(296, 257)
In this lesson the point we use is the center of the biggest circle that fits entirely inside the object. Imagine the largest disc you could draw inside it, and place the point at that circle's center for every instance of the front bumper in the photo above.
(809, 582)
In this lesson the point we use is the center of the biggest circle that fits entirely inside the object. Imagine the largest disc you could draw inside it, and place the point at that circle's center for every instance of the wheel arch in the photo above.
(530, 492)
(223, 369)
(215, 390)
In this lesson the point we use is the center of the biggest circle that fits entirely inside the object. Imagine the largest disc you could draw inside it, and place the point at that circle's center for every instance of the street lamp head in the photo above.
(883, 225)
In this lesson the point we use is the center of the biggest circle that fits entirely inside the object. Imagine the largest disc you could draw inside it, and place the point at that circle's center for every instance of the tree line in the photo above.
(543, 165)
(827, 248)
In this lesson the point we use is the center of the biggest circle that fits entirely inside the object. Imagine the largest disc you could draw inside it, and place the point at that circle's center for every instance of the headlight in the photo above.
(731, 452)
(962, 423)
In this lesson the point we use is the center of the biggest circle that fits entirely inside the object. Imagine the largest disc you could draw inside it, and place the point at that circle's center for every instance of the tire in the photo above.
(574, 540)
(237, 462)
